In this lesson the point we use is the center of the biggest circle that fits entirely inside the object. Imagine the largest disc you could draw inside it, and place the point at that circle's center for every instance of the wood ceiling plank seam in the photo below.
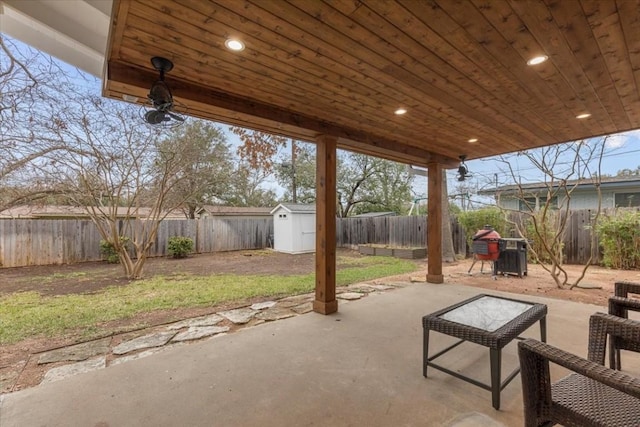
(630, 22)
(452, 128)
(137, 77)
(583, 51)
(276, 92)
(443, 52)
(339, 22)
(506, 22)
(607, 29)
(406, 136)
(474, 48)
(454, 95)
(364, 66)
(498, 47)
(581, 39)
(119, 12)
(413, 48)
(307, 67)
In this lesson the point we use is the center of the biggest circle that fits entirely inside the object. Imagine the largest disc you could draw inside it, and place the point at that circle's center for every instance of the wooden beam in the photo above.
(325, 301)
(434, 223)
(125, 75)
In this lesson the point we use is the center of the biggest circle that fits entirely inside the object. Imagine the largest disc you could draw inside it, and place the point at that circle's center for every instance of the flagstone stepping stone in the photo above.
(303, 308)
(196, 332)
(262, 305)
(275, 313)
(349, 296)
(141, 355)
(367, 287)
(76, 352)
(152, 340)
(65, 371)
(296, 300)
(239, 316)
(210, 320)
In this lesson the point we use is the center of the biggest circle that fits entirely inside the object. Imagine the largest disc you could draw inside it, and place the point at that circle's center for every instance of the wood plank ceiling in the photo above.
(343, 67)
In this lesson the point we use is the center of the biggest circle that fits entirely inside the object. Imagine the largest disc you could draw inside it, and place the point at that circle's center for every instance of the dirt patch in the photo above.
(91, 277)
(18, 368)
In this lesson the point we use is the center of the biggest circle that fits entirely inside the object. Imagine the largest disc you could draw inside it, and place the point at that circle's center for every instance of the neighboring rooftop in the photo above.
(584, 183)
(214, 210)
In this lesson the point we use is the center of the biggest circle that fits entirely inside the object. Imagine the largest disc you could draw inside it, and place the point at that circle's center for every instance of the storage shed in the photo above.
(294, 228)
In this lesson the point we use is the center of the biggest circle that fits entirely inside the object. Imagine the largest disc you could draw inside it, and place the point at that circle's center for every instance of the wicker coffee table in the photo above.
(487, 320)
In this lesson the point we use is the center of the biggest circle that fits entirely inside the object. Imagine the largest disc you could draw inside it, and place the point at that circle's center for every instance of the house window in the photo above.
(529, 203)
(627, 200)
(282, 216)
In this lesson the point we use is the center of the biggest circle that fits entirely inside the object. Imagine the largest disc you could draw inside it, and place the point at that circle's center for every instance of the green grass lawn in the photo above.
(28, 314)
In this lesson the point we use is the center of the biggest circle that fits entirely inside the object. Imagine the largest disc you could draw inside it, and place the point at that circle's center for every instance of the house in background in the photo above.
(213, 211)
(616, 192)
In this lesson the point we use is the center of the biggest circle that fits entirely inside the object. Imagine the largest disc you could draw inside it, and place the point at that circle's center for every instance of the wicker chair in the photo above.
(592, 394)
(619, 305)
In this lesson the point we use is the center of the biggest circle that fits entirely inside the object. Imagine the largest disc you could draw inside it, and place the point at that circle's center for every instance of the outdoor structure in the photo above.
(211, 211)
(294, 228)
(412, 81)
(616, 192)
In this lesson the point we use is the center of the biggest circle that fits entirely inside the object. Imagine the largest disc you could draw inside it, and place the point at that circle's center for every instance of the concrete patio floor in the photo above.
(359, 367)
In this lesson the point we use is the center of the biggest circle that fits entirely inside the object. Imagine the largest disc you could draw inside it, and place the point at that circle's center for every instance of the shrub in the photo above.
(179, 246)
(109, 251)
(619, 236)
(472, 221)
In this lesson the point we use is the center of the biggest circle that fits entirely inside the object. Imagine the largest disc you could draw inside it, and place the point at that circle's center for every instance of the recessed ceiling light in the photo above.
(472, 140)
(129, 98)
(400, 111)
(537, 60)
(583, 116)
(234, 44)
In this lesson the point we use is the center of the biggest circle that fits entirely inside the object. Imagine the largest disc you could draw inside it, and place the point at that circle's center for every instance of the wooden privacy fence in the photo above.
(40, 242)
(400, 231)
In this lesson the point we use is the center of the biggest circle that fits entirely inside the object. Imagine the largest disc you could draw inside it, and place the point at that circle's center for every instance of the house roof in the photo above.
(295, 208)
(342, 68)
(72, 212)
(582, 184)
(234, 210)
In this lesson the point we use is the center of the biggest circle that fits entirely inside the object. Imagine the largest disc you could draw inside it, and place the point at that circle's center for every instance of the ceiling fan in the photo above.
(160, 108)
(463, 171)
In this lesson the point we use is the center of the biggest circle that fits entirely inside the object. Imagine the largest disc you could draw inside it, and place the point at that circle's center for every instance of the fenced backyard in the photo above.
(41, 242)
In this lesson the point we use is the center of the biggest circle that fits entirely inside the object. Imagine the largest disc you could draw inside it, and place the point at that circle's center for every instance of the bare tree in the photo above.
(29, 82)
(545, 213)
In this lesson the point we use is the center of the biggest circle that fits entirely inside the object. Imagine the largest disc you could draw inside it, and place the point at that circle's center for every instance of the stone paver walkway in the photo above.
(109, 351)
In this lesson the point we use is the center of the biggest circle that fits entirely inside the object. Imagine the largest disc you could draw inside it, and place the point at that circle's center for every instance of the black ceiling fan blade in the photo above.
(175, 116)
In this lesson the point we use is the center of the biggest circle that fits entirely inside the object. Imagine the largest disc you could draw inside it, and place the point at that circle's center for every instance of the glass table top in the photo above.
(487, 313)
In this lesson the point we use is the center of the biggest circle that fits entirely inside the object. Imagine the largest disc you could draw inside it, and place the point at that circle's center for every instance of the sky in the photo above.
(622, 151)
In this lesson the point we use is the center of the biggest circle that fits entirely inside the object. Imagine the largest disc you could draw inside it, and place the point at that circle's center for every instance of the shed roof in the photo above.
(295, 208)
(215, 210)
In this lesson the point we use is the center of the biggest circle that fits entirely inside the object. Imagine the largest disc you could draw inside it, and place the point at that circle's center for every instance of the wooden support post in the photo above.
(434, 223)
(325, 301)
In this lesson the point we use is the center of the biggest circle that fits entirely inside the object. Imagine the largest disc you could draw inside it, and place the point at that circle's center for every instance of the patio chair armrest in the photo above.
(624, 288)
(609, 326)
(618, 305)
(534, 362)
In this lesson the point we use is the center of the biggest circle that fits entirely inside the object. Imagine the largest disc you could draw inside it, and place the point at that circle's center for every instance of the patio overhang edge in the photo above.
(219, 106)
